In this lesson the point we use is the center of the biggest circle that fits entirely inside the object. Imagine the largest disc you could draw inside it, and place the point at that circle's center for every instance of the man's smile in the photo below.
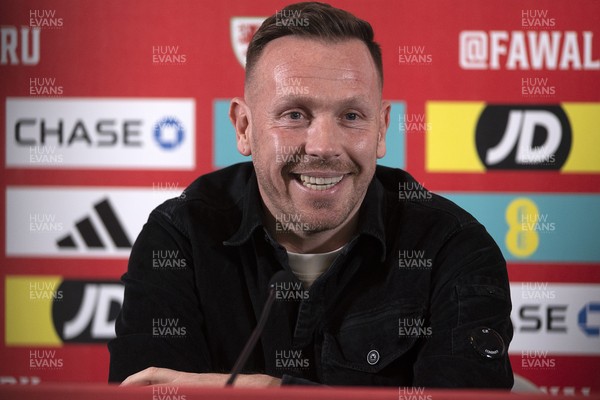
(314, 183)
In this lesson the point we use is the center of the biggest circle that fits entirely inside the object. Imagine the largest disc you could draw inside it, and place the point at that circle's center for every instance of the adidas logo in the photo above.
(93, 237)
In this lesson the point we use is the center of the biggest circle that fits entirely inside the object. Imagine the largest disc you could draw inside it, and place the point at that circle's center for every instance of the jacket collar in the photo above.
(370, 218)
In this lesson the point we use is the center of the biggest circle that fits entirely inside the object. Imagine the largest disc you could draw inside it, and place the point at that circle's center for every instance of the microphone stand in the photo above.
(253, 338)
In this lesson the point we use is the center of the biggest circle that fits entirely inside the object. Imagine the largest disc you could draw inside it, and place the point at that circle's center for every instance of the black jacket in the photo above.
(419, 297)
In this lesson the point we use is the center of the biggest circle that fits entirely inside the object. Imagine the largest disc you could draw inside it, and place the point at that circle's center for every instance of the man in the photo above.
(384, 290)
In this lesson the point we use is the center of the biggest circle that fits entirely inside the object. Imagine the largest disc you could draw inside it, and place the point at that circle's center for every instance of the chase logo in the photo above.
(168, 133)
(523, 137)
(475, 137)
(49, 311)
(114, 133)
(555, 318)
(584, 319)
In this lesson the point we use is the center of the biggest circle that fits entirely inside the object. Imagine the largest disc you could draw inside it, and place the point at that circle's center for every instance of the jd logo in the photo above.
(523, 137)
(88, 311)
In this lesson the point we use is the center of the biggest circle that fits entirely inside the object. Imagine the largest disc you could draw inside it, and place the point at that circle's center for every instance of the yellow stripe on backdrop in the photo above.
(585, 124)
(451, 139)
(28, 314)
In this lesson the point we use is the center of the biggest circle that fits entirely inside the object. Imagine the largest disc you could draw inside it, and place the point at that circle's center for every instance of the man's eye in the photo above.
(351, 116)
(295, 115)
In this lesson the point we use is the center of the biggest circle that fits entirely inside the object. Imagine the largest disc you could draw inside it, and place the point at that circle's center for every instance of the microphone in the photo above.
(278, 277)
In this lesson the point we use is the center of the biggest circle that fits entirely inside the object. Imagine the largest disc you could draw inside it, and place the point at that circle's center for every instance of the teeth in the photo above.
(318, 183)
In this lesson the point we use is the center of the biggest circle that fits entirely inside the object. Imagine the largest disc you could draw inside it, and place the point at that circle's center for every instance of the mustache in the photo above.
(317, 164)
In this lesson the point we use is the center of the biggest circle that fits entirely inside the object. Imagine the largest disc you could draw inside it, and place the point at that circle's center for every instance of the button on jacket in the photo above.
(418, 297)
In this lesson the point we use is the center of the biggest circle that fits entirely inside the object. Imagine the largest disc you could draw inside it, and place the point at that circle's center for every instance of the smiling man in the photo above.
(383, 290)
(336, 124)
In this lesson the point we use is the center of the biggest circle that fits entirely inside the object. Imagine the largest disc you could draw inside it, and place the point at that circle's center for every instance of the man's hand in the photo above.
(164, 376)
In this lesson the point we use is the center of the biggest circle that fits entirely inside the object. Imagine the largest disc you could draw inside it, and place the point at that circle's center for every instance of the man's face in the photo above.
(315, 126)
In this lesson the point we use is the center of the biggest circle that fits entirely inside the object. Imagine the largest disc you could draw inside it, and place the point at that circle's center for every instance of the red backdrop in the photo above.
(108, 108)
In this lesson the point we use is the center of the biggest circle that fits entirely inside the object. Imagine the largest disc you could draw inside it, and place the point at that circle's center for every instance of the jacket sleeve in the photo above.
(469, 316)
(160, 323)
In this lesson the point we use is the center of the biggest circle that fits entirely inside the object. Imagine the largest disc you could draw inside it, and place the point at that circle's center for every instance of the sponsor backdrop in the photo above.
(109, 109)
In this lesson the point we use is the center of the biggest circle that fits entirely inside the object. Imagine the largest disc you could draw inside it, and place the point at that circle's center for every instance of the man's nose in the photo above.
(323, 138)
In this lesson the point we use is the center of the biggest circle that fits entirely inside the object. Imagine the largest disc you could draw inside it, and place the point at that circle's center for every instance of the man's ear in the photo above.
(239, 114)
(384, 123)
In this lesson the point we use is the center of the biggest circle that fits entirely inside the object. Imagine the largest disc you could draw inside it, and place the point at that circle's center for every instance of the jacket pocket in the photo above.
(367, 346)
(480, 302)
